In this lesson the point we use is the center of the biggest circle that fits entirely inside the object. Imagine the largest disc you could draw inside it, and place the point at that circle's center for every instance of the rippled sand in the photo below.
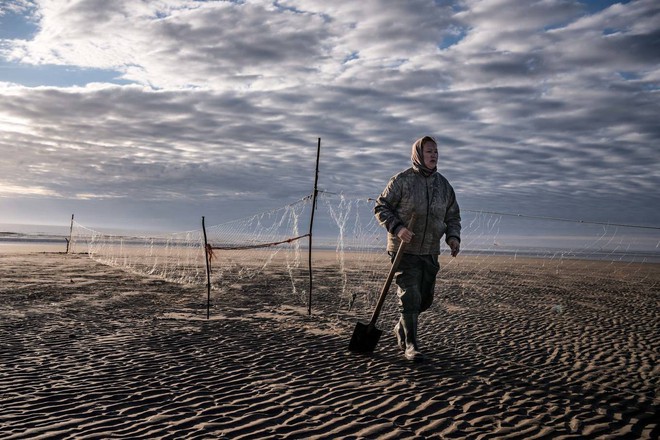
(90, 351)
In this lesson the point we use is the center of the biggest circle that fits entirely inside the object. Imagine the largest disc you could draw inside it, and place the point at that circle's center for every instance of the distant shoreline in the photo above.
(21, 243)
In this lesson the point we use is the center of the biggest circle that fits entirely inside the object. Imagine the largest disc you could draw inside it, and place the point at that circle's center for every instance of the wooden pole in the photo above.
(208, 272)
(68, 242)
(311, 225)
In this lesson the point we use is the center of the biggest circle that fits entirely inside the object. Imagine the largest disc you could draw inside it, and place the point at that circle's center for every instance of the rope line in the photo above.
(256, 246)
(541, 217)
(624, 225)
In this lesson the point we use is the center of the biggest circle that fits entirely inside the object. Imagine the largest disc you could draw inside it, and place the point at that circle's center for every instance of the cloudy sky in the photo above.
(153, 113)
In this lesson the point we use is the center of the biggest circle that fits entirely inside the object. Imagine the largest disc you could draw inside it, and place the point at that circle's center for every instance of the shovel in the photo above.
(366, 336)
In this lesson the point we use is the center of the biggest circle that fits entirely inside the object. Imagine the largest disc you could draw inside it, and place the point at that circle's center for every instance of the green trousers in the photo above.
(415, 278)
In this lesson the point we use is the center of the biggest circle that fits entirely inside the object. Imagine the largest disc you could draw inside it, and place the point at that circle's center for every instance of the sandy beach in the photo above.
(88, 351)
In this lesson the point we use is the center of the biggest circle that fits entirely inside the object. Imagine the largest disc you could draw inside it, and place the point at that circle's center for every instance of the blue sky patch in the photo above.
(454, 38)
(15, 26)
(58, 76)
(593, 6)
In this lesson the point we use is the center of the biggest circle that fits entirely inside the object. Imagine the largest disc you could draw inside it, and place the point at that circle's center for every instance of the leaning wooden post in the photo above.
(208, 272)
(68, 241)
(311, 225)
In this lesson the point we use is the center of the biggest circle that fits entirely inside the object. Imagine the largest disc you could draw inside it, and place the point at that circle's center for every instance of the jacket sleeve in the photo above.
(453, 218)
(386, 205)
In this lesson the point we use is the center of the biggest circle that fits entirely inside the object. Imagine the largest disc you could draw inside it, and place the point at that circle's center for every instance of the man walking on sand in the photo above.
(423, 191)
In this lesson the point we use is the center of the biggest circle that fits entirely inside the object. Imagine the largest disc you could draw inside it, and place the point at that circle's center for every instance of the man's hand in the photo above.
(405, 235)
(455, 246)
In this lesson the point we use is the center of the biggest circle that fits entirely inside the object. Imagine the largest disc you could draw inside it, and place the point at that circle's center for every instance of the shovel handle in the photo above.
(390, 276)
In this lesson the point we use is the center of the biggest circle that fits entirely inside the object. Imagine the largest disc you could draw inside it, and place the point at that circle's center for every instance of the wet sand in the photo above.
(91, 351)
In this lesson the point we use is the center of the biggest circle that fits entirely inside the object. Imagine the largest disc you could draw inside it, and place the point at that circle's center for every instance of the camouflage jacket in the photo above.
(433, 201)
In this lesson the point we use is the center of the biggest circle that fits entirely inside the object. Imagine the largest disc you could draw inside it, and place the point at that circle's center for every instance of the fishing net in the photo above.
(349, 261)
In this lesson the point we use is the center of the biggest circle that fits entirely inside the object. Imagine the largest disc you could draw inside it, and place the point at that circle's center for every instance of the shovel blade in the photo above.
(364, 339)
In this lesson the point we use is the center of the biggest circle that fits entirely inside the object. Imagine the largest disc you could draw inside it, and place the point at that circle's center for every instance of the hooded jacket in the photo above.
(431, 198)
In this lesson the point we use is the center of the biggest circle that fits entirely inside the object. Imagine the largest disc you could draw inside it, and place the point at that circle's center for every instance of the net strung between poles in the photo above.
(349, 251)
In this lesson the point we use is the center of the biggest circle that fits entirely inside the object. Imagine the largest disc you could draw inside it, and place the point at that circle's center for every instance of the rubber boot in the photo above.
(400, 334)
(409, 321)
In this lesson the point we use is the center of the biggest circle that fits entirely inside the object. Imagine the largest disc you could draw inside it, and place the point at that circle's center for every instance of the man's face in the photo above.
(430, 154)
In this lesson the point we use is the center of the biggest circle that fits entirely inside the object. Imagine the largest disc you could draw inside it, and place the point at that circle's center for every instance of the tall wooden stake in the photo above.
(208, 272)
(68, 242)
(311, 225)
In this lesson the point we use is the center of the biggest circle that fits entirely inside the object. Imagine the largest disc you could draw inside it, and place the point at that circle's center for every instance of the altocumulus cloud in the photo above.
(544, 107)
